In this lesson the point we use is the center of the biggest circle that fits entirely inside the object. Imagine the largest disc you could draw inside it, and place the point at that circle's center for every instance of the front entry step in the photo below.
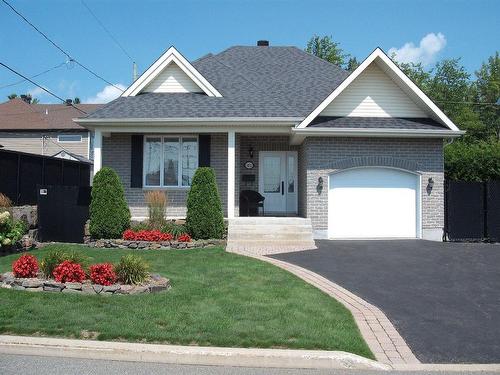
(269, 235)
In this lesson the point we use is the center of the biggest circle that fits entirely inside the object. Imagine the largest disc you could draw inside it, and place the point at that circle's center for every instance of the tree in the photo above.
(326, 49)
(417, 73)
(204, 208)
(109, 212)
(26, 97)
(12, 96)
(487, 88)
(76, 100)
(352, 64)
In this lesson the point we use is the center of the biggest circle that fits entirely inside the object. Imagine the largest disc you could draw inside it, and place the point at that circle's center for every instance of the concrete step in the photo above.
(260, 220)
(270, 228)
(270, 236)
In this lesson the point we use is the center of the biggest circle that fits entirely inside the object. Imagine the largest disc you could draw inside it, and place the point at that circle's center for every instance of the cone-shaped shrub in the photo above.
(109, 213)
(204, 208)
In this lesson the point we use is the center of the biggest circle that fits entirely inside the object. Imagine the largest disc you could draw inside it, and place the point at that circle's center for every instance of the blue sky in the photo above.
(437, 29)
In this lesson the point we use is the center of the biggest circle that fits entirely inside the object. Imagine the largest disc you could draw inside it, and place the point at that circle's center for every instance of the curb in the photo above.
(188, 355)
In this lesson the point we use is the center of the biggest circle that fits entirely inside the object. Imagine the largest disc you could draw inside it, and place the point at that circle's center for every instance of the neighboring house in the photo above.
(360, 154)
(45, 129)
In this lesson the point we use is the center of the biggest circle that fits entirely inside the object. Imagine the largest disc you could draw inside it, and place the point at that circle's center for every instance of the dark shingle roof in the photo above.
(376, 123)
(254, 82)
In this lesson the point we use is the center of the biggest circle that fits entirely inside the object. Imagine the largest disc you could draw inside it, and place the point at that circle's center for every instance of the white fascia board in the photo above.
(233, 121)
(183, 129)
(171, 55)
(378, 53)
(298, 135)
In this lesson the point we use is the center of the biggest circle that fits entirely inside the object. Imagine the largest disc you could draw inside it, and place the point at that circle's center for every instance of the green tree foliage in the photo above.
(352, 64)
(109, 213)
(487, 87)
(204, 208)
(326, 49)
(479, 161)
(417, 74)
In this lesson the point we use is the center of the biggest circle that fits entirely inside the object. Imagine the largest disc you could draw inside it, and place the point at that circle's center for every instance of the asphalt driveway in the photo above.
(443, 298)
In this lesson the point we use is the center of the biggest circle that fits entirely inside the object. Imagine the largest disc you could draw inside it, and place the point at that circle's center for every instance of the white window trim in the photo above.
(179, 185)
(70, 135)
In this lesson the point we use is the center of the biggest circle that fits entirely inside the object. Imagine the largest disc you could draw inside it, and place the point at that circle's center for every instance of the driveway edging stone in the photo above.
(385, 342)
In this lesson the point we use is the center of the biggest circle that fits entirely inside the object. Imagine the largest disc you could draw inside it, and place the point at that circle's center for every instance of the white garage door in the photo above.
(373, 203)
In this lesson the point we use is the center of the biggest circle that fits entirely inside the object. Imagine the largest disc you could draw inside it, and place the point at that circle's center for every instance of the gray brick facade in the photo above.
(317, 157)
(322, 156)
(116, 154)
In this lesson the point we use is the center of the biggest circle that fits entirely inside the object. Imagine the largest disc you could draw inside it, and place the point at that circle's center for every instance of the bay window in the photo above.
(170, 161)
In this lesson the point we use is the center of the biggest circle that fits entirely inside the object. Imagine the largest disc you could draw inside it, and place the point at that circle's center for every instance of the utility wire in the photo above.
(107, 31)
(34, 76)
(43, 88)
(57, 46)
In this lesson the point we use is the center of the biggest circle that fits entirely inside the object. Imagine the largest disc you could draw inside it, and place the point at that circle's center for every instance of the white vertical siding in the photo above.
(173, 80)
(373, 94)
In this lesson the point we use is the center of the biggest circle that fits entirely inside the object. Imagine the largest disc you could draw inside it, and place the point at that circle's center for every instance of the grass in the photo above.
(217, 299)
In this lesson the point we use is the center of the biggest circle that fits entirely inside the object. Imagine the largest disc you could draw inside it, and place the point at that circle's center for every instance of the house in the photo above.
(360, 155)
(44, 129)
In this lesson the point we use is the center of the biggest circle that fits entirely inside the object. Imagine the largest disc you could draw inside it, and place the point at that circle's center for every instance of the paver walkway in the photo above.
(383, 339)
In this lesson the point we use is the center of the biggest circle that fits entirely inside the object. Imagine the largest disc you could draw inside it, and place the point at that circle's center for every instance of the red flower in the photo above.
(25, 266)
(69, 272)
(184, 237)
(102, 274)
(147, 235)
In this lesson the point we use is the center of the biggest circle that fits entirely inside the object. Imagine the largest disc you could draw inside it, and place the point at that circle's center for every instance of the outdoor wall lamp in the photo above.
(250, 152)
(319, 188)
(430, 183)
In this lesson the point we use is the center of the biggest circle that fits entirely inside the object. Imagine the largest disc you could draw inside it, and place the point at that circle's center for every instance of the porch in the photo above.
(261, 161)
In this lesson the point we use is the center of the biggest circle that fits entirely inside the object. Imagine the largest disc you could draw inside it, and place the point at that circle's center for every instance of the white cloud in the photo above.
(107, 94)
(425, 53)
(36, 92)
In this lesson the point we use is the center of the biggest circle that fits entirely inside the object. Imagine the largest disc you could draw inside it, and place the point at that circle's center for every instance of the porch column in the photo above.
(97, 151)
(231, 165)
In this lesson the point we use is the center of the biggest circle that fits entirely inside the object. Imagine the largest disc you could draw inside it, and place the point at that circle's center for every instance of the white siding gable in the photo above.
(373, 94)
(172, 80)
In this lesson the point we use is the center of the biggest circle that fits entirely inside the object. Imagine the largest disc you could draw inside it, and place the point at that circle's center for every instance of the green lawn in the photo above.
(217, 298)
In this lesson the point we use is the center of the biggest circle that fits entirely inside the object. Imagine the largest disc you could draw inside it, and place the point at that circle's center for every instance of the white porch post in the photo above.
(231, 165)
(97, 151)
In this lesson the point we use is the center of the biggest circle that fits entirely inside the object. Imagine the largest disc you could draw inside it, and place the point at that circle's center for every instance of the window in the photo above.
(62, 138)
(170, 161)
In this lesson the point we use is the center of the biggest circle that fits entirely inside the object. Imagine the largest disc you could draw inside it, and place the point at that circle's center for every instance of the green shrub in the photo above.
(10, 230)
(472, 162)
(132, 269)
(55, 257)
(204, 208)
(173, 228)
(109, 213)
(142, 225)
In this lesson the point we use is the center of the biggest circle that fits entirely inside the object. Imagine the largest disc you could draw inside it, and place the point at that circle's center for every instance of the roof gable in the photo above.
(373, 94)
(171, 73)
(387, 66)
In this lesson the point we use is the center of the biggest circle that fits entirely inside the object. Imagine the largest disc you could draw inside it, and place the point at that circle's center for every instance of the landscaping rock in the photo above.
(88, 289)
(32, 283)
(18, 287)
(125, 289)
(111, 288)
(76, 286)
(97, 288)
(140, 289)
(51, 289)
(6, 286)
(158, 288)
(66, 290)
(53, 284)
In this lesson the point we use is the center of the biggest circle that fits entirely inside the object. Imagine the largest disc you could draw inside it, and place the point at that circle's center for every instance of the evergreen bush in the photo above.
(109, 213)
(204, 208)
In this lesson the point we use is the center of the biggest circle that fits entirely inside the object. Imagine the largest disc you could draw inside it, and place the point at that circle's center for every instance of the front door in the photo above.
(278, 181)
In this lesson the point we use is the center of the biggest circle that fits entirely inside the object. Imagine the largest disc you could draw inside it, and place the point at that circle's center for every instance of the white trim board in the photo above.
(406, 84)
(171, 56)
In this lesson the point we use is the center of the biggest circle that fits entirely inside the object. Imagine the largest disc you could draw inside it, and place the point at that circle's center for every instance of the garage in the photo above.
(374, 202)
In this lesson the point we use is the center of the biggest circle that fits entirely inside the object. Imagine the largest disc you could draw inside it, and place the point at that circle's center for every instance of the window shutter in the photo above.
(204, 150)
(136, 161)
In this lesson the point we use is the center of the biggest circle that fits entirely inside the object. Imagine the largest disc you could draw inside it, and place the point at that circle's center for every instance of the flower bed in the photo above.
(156, 283)
(152, 245)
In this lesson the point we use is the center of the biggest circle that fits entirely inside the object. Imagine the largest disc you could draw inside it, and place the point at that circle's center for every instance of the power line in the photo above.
(34, 76)
(58, 47)
(107, 31)
(43, 88)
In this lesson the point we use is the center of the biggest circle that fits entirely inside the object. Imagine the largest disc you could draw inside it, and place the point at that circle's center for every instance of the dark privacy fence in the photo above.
(20, 173)
(472, 211)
